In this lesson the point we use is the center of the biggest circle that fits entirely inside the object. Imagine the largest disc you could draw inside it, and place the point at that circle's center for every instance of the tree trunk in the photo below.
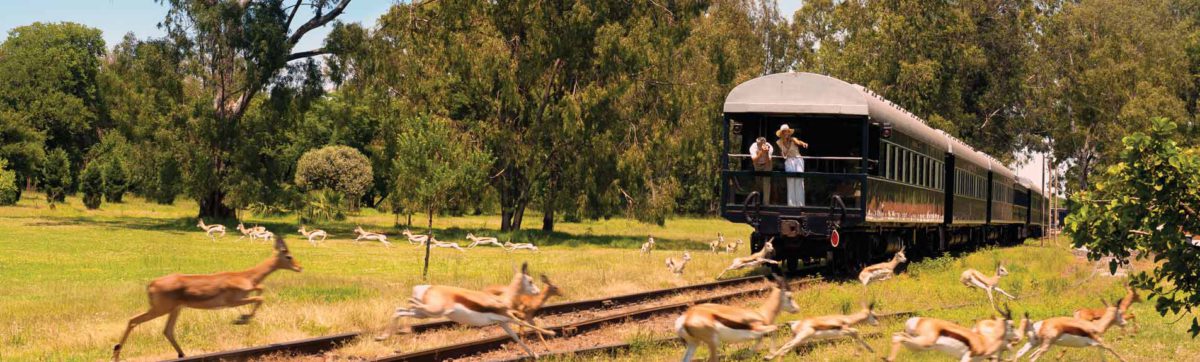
(212, 205)
(548, 205)
(519, 216)
(425, 270)
(512, 189)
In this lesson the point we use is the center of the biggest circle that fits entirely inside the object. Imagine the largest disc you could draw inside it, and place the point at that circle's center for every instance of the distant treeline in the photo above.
(578, 110)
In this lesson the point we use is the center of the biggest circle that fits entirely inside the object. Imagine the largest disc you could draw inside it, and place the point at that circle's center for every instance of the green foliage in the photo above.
(166, 182)
(116, 179)
(1146, 204)
(91, 184)
(323, 205)
(10, 190)
(339, 168)
(56, 176)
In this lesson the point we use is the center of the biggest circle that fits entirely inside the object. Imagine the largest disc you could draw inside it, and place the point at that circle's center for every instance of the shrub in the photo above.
(338, 168)
(116, 179)
(10, 191)
(56, 176)
(91, 184)
(165, 183)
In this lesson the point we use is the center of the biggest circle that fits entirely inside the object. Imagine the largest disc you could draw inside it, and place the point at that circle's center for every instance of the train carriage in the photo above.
(875, 178)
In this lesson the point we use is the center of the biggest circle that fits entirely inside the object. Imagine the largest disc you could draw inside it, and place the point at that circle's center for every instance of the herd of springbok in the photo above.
(710, 324)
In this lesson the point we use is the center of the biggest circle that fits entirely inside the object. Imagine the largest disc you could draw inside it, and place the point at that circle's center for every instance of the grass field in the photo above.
(72, 278)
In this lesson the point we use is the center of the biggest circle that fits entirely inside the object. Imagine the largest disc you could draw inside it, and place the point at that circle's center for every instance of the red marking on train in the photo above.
(835, 238)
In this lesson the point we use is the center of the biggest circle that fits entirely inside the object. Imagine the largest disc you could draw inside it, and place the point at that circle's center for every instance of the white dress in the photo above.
(793, 163)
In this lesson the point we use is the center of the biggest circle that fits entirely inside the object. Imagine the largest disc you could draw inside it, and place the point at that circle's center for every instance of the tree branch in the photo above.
(307, 54)
(295, 9)
(318, 21)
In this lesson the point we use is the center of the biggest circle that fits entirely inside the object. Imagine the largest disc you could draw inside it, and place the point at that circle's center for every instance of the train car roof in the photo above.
(809, 93)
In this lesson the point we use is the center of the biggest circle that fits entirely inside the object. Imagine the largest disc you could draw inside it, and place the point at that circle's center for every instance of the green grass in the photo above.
(72, 278)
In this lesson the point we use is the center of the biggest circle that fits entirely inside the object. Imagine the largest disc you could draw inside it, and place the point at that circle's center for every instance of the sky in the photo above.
(117, 17)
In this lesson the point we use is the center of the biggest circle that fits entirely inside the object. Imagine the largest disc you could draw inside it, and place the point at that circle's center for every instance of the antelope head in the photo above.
(900, 257)
(785, 296)
(687, 256)
(551, 289)
(872, 318)
(200, 223)
(301, 231)
(1001, 270)
(769, 247)
(283, 257)
(470, 236)
(359, 229)
(525, 282)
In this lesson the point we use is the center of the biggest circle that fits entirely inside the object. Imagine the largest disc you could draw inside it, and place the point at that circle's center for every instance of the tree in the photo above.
(91, 184)
(442, 166)
(1147, 203)
(10, 191)
(20, 145)
(236, 49)
(56, 176)
(116, 179)
(333, 178)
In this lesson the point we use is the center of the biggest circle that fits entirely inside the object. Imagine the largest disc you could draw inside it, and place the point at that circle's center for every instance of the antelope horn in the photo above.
(280, 245)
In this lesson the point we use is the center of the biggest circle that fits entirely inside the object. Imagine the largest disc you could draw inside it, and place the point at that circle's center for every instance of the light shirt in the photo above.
(754, 149)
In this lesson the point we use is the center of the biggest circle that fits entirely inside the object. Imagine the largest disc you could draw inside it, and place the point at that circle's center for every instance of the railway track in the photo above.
(317, 345)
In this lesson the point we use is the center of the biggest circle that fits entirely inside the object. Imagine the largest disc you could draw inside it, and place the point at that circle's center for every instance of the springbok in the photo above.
(648, 246)
(923, 334)
(676, 267)
(973, 278)
(367, 235)
(761, 257)
(415, 238)
(211, 229)
(519, 246)
(1094, 314)
(1073, 332)
(471, 307)
(248, 232)
(313, 235)
(733, 247)
(265, 235)
(828, 327)
(714, 324)
(716, 244)
(882, 271)
(170, 294)
(528, 306)
(445, 244)
(476, 241)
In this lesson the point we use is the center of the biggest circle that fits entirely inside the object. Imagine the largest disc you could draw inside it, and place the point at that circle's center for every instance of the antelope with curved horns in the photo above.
(211, 229)
(170, 294)
(733, 247)
(1073, 332)
(417, 239)
(1013, 335)
(471, 307)
(973, 278)
(265, 235)
(648, 246)
(528, 306)
(676, 267)
(882, 271)
(828, 327)
(476, 241)
(519, 246)
(363, 234)
(249, 232)
(761, 257)
(922, 334)
(1094, 314)
(716, 244)
(313, 235)
(713, 324)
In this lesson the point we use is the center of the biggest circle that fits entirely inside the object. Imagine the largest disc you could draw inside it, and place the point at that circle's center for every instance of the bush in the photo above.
(116, 180)
(91, 184)
(56, 176)
(10, 191)
(338, 168)
(165, 183)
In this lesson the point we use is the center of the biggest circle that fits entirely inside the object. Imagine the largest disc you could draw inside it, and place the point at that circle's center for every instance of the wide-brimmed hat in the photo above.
(784, 131)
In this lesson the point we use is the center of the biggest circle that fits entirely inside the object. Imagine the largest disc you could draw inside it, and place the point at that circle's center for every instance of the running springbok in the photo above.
(367, 235)
(923, 334)
(445, 244)
(828, 327)
(882, 271)
(415, 238)
(528, 306)
(249, 232)
(313, 235)
(170, 294)
(211, 229)
(1094, 314)
(716, 244)
(761, 257)
(476, 241)
(676, 267)
(648, 246)
(471, 307)
(733, 247)
(265, 235)
(973, 278)
(519, 246)
(1073, 332)
(714, 324)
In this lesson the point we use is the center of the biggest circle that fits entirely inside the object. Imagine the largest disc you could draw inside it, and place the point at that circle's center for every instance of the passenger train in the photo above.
(876, 178)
